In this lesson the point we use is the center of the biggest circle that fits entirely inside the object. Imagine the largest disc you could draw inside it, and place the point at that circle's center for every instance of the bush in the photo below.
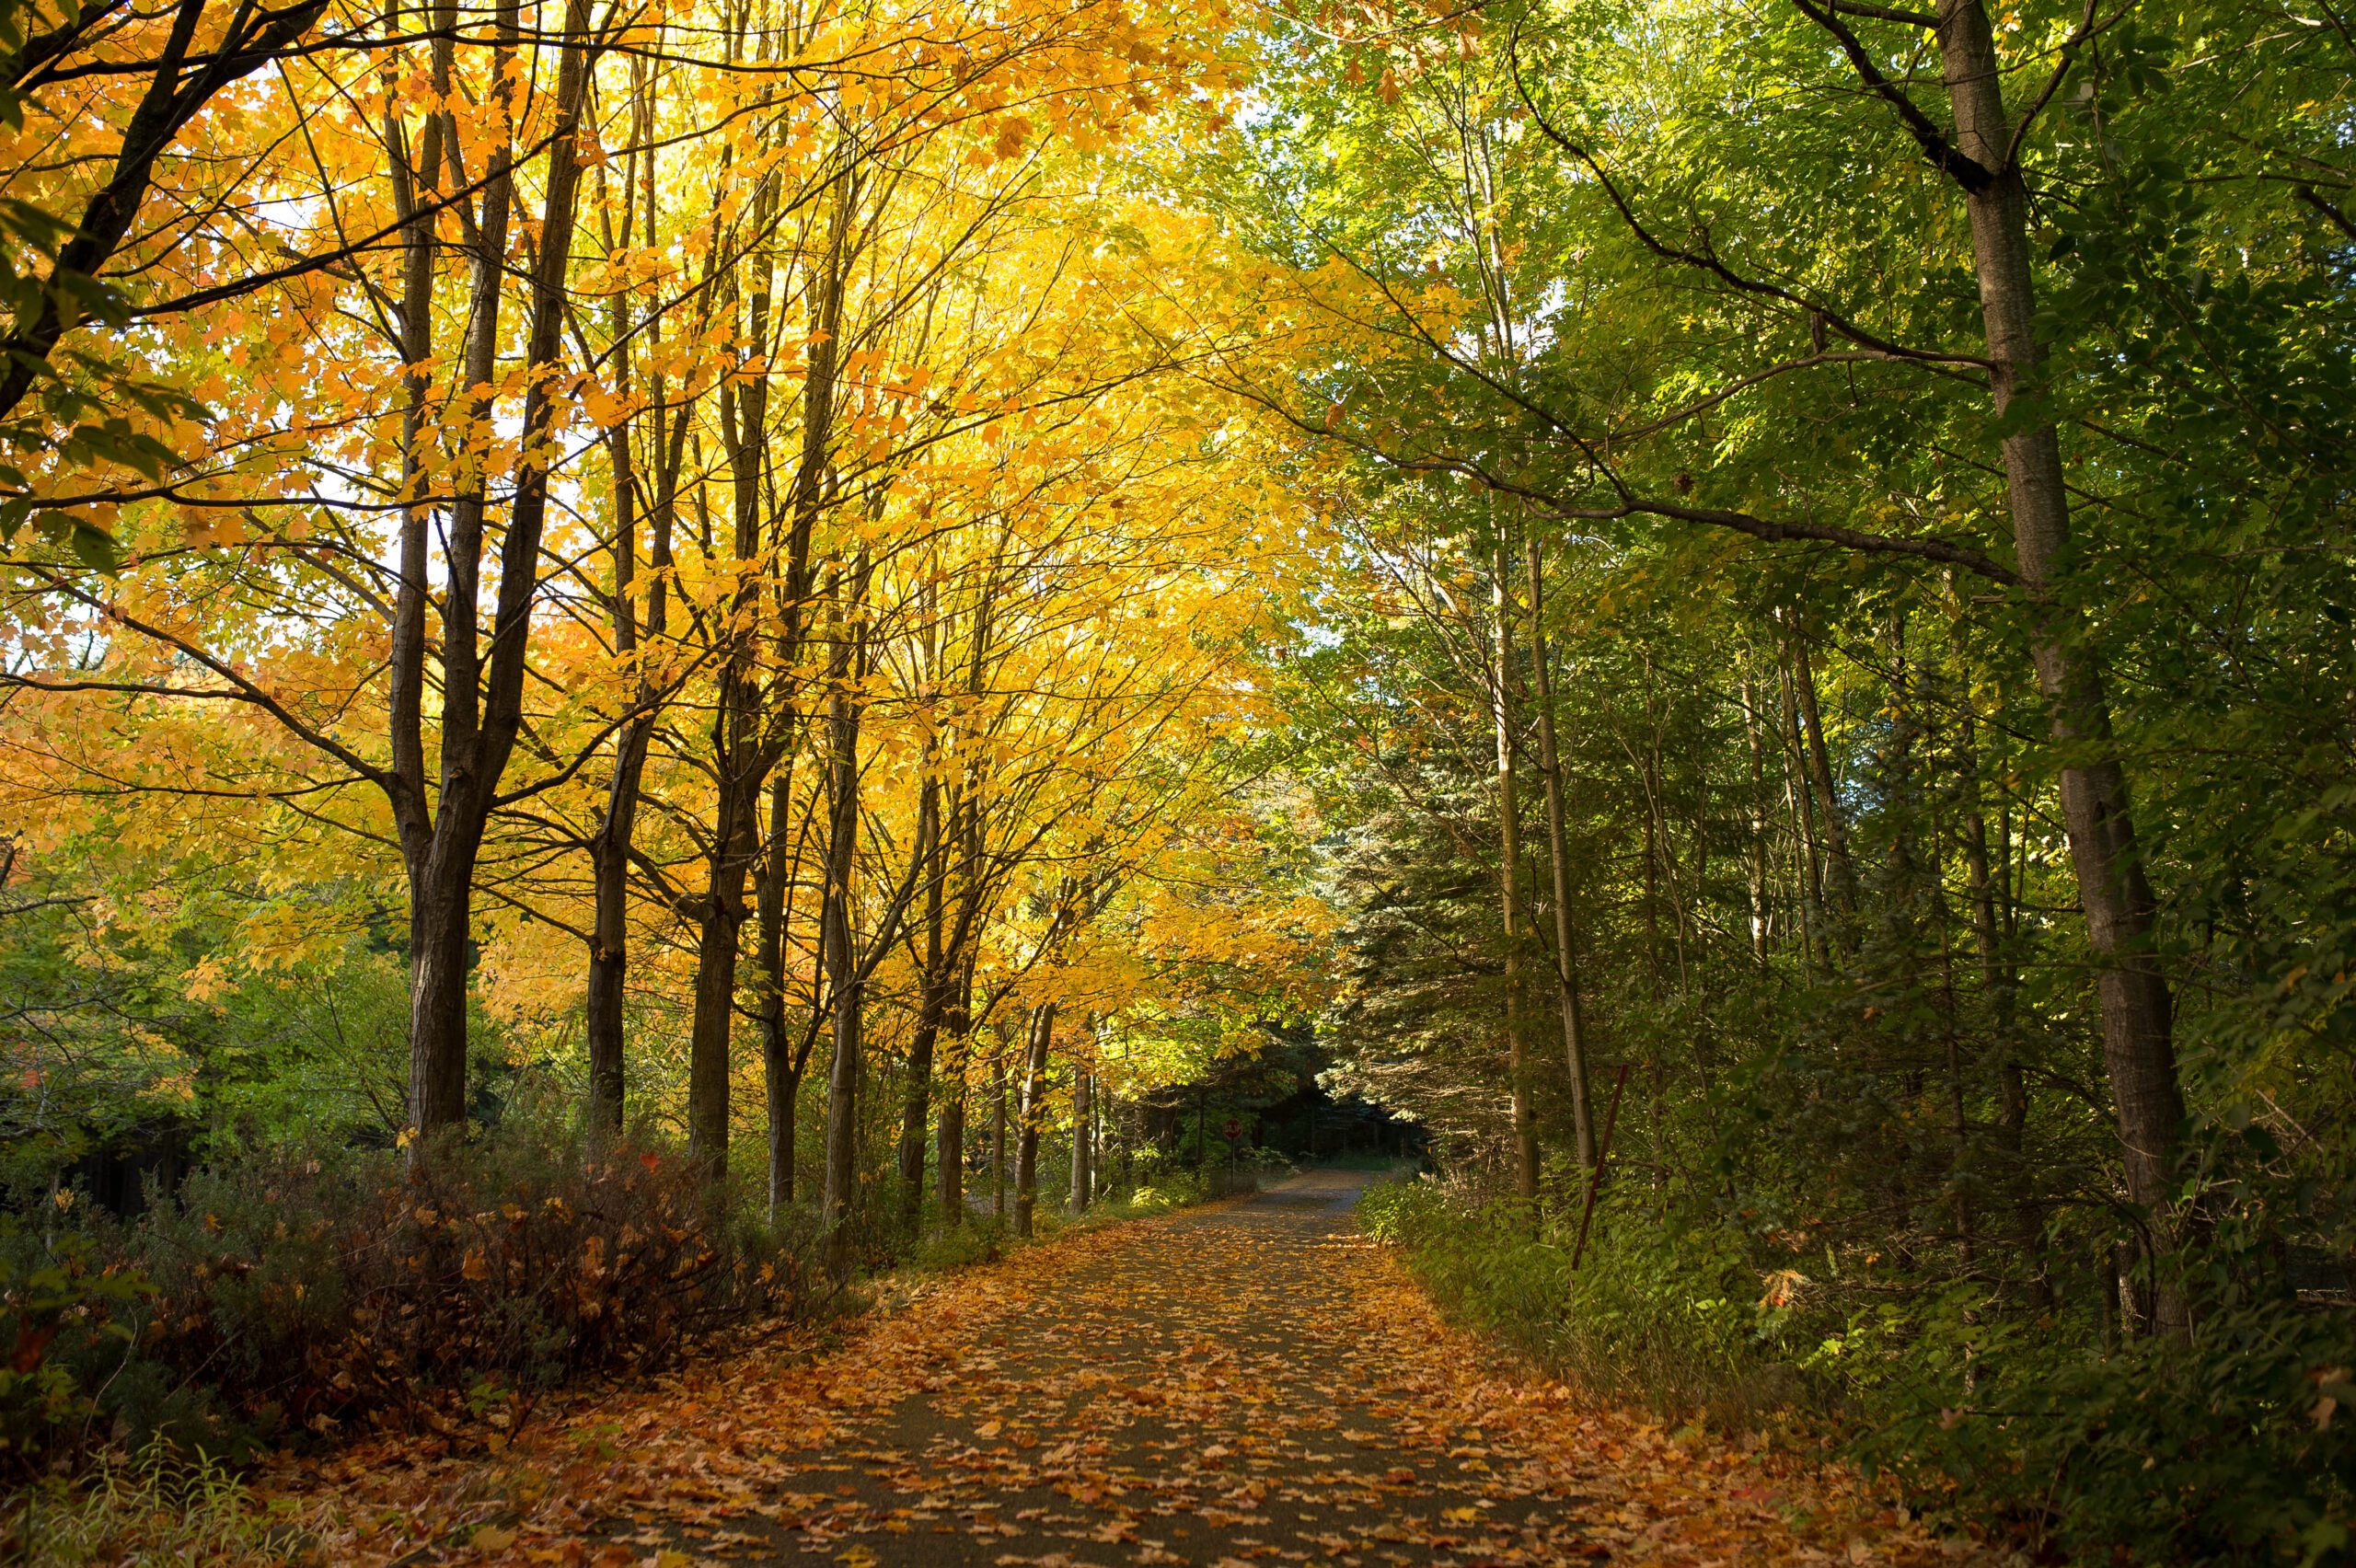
(1655, 1312)
(286, 1292)
(2231, 1448)
(2235, 1447)
(58, 1313)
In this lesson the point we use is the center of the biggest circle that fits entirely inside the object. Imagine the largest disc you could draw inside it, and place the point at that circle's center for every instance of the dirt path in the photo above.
(1253, 1382)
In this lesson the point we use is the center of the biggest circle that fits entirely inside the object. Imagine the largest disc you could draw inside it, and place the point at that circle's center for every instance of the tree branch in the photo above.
(1943, 155)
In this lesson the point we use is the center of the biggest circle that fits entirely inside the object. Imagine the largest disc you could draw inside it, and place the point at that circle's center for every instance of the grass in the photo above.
(159, 1506)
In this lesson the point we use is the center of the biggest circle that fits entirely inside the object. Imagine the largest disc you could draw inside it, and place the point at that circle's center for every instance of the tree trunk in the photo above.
(482, 699)
(1034, 1083)
(998, 1134)
(781, 1067)
(1808, 864)
(719, 924)
(1525, 1131)
(1566, 952)
(783, 1080)
(915, 1110)
(1083, 1112)
(1759, 917)
(441, 865)
(949, 1145)
(412, 184)
(840, 1192)
(609, 950)
(950, 1140)
(2139, 1049)
(1999, 986)
(440, 914)
(745, 747)
(1819, 761)
(609, 846)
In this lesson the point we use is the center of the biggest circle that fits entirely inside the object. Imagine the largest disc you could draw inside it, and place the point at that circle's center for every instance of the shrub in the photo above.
(2231, 1447)
(1657, 1311)
(283, 1292)
(492, 1272)
(59, 1313)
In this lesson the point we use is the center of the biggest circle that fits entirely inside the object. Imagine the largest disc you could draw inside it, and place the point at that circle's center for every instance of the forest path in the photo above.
(1254, 1381)
(1200, 1391)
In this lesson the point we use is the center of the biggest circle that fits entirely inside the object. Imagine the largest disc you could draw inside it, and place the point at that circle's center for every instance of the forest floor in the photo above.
(1253, 1382)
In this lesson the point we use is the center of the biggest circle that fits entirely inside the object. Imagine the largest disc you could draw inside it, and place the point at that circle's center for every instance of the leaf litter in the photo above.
(1251, 1384)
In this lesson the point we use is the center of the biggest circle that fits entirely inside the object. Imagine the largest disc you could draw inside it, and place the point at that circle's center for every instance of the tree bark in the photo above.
(610, 844)
(782, 1064)
(744, 748)
(1525, 1131)
(2139, 1049)
(720, 923)
(839, 1194)
(745, 741)
(950, 1137)
(439, 916)
(916, 1109)
(1083, 1112)
(1808, 865)
(949, 1144)
(1999, 988)
(1761, 920)
(1031, 1112)
(1819, 761)
(1566, 952)
(783, 1079)
(483, 698)
(443, 854)
(406, 690)
(997, 1133)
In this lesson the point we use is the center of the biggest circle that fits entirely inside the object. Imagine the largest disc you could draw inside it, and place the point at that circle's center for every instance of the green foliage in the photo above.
(158, 1505)
(2229, 1449)
(134, 1034)
(61, 1317)
(1647, 267)
(1664, 1313)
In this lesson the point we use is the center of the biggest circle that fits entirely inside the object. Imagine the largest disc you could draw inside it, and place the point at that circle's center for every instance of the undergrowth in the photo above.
(2231, 1446)
(282, 1297)
(159, 1507)
(1655, 1314)
(278, 1298)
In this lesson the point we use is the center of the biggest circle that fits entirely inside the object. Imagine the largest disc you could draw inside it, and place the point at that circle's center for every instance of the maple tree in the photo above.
(357, 444)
